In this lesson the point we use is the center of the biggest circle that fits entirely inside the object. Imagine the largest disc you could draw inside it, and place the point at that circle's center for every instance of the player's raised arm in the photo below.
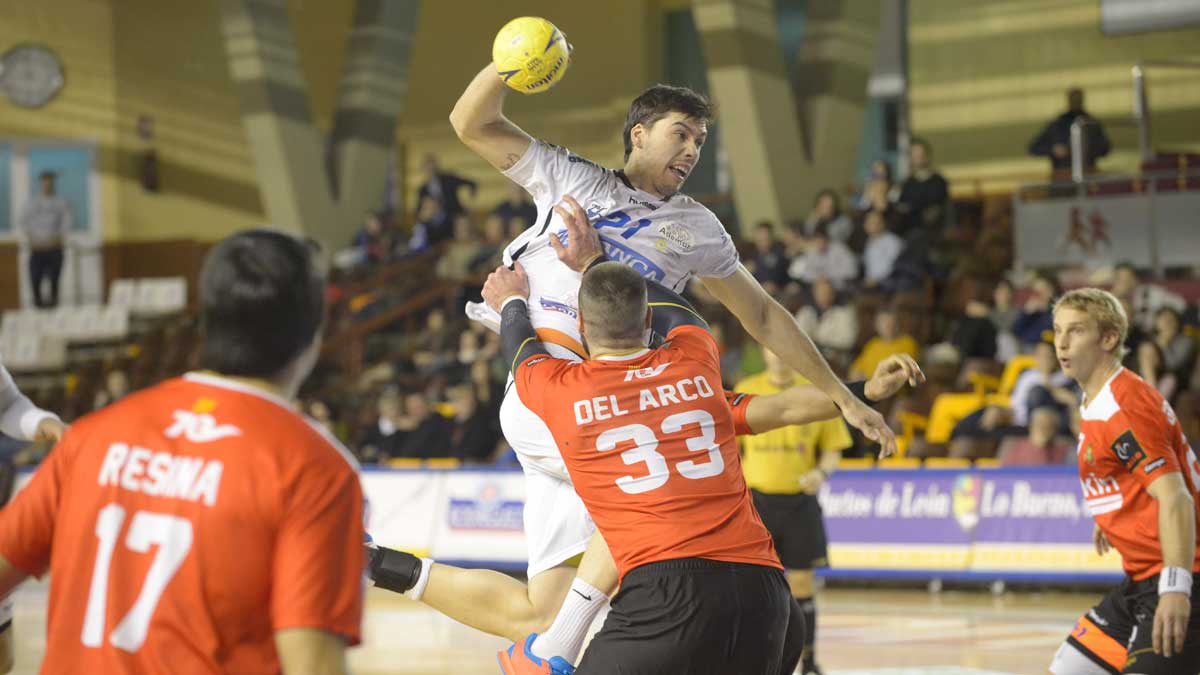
(776, 329)
(478, 119)
(805, 403)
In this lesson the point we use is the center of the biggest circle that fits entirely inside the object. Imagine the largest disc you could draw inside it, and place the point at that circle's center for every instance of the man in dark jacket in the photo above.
(1055, 140)
(443, 188)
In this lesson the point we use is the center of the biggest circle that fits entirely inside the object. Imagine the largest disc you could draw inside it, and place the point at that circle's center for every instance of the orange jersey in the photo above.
(183, 525)
(649, 442)
(1129, 437)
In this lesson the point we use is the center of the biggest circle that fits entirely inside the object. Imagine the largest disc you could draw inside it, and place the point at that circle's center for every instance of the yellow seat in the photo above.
(947, 410)
(900, 463)
(910, 424)
(987, 463)
(947, 463)
(405, 463)
(856, 463)
(442, 463)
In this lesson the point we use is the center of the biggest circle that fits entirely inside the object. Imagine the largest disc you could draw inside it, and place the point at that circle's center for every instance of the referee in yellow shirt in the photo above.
(784, 472)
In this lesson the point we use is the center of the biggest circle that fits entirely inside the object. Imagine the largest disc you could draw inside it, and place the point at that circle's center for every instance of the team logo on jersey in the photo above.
(1128, 451)
(1089, 456)
(678, 235)
(199, 427)
(645, 373)
(556, 306)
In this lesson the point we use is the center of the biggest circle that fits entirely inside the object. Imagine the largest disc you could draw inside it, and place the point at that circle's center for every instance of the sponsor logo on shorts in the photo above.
(556, 306)
(1128, 451)
(1154, 465)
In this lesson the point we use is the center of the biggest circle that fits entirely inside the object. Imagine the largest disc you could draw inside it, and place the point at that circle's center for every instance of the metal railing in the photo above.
(1141, 102)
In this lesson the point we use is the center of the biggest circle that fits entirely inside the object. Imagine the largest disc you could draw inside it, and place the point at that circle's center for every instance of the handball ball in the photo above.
(530, 54)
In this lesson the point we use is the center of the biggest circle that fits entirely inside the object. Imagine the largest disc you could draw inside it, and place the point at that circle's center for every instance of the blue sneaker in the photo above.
(515, 661)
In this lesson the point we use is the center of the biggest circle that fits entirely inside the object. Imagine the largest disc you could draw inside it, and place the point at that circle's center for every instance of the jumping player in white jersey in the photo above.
(644, 222)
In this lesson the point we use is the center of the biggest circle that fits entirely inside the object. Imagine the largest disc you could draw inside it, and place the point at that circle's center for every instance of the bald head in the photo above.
(612, 306)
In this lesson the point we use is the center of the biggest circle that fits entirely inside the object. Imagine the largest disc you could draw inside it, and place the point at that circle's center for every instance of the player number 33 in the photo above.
(645, 451)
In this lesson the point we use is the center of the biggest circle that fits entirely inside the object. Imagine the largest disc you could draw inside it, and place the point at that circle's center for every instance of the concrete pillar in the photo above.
(309, 184)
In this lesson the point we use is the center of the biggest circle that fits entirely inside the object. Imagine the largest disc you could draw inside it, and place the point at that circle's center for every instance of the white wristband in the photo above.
(1175, 580)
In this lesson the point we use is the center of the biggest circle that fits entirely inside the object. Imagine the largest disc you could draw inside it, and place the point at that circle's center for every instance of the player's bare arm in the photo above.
(776, 329)
(805, 403)
(1177, 534)
(11, 576)
(308, 651)
(478, 119)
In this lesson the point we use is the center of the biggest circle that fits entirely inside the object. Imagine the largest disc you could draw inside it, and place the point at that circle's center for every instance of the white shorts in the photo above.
(557, 525)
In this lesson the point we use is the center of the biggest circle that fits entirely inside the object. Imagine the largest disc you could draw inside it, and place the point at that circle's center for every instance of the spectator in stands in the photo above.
(876, 191)
(888, 340)
(882, 249)
(374, 242)
(384, 437)
(428, 432)
(1146, 298)
(1168, 359)
(495, 236)
(827, 214)
(1054, 141)
(1043, 385)
(1045, 444)
(770, 262)
(432, 227)
(921, 204)
(1003, 315)
(116, 386)
(443, 188)
(322, 414)
(516, 212)
(830, 324)
(475, 432)
(1036, 320)
(825, 258)
(45, 223)
(433, 348)
(462, 252)
(974, 334)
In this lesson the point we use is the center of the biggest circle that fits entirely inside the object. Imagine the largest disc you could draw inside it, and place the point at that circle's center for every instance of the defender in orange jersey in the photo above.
(1139, 479)
(648, 439)
(202, 526)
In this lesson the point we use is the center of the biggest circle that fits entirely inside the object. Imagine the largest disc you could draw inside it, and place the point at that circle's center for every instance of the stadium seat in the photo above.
(856, 463)
(899, 463)
(442, 463)
(947, 463)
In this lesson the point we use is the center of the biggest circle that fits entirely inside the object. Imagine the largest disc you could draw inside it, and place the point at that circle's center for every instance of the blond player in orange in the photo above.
(1139, 480)
(201, 526)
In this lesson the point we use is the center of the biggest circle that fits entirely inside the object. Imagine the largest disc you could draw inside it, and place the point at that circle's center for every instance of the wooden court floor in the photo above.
(861, 632)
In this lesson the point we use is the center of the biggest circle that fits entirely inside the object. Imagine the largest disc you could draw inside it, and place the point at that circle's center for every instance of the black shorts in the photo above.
(1117, 635)
(796, 525)
(698, 617)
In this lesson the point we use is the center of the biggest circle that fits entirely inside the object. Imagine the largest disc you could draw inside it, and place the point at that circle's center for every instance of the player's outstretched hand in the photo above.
(1170, 623)
(503, 284)
(872, 425)
(891, 374)
(49, 429)
(1100, 541)
(583, 242)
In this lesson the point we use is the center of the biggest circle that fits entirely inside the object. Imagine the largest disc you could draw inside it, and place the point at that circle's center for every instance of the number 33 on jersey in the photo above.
(649, 442)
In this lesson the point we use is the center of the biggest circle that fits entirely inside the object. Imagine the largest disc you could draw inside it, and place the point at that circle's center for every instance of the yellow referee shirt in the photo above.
(774, 461)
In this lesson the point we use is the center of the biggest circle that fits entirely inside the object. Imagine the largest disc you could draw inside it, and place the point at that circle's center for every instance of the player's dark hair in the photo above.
(659, 101)
(262, 300)
(612, 302)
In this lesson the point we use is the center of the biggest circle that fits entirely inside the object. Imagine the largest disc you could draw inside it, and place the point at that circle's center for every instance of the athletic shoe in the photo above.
(514, 661)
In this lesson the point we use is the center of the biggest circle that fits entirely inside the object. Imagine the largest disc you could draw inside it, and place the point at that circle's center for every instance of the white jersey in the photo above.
(666, 240)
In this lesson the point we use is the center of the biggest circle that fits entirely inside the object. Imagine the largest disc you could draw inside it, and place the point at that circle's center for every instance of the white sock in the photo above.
(570, 627)
(418, 589)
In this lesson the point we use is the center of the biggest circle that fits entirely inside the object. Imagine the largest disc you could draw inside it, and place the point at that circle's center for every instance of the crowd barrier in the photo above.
(953, 524)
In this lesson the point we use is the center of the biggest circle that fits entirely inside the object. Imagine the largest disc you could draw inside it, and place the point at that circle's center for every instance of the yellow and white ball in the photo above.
(530, 54)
